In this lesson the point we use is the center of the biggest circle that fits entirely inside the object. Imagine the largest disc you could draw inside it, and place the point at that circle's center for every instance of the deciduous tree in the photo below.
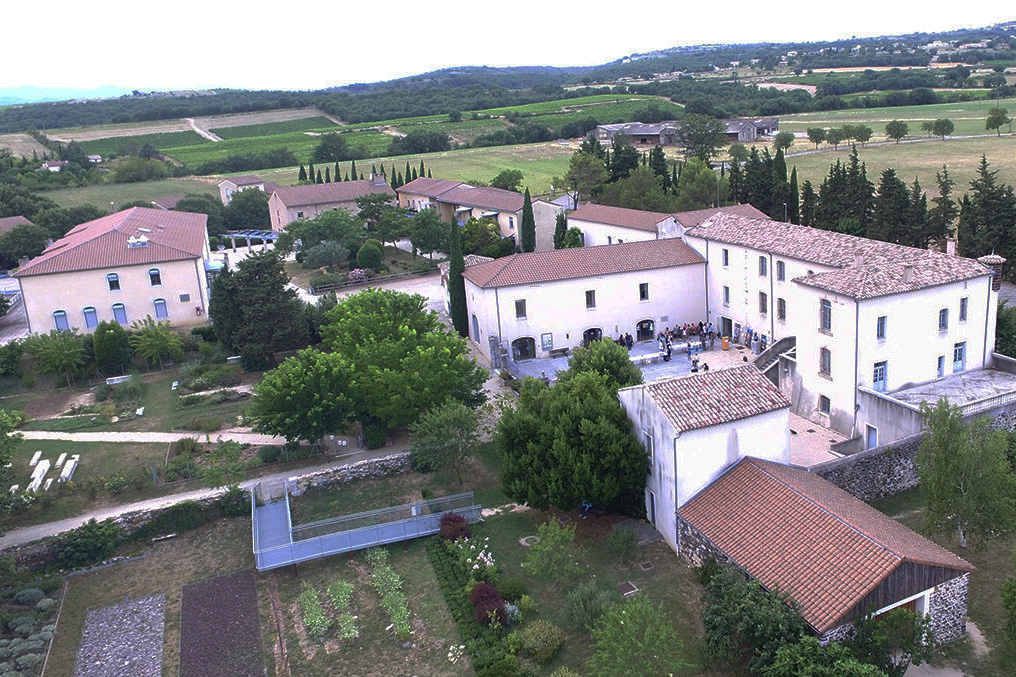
(59, 352)
(607, 359)
(816, 135)
(943, 127)
(809, 657)
(586, 174)
(247, 209)
(636, 637)
(997, 117)
(896, 130)
(783, 141)
(155, 341)
(507, 179)
(445, 437)
(427, 233)
(701, 136)
(893, 641)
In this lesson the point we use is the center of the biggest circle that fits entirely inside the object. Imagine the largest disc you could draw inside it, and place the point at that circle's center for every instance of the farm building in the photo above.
(305, 202)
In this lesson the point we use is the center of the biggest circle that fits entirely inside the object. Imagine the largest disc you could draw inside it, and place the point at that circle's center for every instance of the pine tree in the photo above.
(944, 212)
(303, 173)
(860, 192)
(987, 216)
(795, 198)
(456, 283)
(528, 225)
(917, 217)
(831, 205)
(560, 230)
(809, 201)
(328, 175)
(891, 209)
(319, 179)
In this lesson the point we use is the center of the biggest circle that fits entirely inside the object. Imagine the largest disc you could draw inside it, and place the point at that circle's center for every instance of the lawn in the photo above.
(317, 123)
(394, 258)
(560, 104)
(219, 548)
(112, 145)
(968, 116)
(102, 194)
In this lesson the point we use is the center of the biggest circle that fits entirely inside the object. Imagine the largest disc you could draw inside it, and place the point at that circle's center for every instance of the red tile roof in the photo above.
(429, 187)
(245, 180)
(713, 397)
(695, 218)
(566, 264)
(9, 223)
(167, 202)
(103, 243)
(327, 193)
(868, 268)
(619, 216)
(790, 528)
(494, 199)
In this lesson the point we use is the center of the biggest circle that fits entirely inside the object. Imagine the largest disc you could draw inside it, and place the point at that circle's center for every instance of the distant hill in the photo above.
(33, 94)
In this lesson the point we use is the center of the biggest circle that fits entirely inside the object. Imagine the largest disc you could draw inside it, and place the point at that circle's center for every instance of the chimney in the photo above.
(950, 246)
(995, 262)
(908, 272)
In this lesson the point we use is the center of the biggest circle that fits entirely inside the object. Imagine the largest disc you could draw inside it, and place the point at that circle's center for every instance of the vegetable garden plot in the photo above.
(220, 632)
(124, 640)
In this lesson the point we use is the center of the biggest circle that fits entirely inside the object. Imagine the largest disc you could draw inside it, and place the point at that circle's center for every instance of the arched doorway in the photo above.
(523, 348)
(590, 335)
(645, 330)
(476, 329)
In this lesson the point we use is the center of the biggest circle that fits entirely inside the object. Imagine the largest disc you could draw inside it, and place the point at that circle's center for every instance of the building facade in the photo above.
(305, 202)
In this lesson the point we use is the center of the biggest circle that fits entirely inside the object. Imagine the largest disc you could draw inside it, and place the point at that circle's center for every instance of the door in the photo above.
(523, 348)
(652, 507)
(726, 326)
(644, 330)
(870, 437)
(590, 335)
(476, 329)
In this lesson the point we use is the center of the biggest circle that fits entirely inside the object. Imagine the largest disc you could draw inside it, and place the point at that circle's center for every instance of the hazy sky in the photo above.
(308, 44)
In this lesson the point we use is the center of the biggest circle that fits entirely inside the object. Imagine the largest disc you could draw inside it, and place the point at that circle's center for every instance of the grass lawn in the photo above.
(221, 547)
(102, 194)
(394, 258)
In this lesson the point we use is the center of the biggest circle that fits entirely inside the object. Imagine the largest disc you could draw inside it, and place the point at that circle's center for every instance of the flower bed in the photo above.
(124, 639)
(220, 631)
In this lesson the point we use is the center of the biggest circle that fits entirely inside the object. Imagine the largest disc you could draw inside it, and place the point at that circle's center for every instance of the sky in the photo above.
(307, 44)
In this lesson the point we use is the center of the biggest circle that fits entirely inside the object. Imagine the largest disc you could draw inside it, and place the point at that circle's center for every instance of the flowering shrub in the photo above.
(455, 653)
(358, 275)
(454, 527)
(488, 607)
(476, 558)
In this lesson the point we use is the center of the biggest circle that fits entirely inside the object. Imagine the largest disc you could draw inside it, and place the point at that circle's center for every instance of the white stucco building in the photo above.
(529, 304)
(601, 224)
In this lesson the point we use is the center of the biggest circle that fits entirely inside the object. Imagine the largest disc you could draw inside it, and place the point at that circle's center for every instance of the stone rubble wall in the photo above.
(695, 547)
(948, 609)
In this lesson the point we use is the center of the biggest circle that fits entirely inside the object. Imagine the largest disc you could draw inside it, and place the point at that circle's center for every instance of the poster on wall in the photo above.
(547, 341)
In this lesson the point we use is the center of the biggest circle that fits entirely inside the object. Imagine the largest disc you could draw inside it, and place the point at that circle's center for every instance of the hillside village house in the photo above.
(167, 203)
(305, 202)
(532, 303)
(229, 186)
(9, 223)
(601, 224)
(123, 267)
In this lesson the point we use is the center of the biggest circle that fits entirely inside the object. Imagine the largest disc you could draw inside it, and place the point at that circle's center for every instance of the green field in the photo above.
(968, 117)
(272, 128)
(118, 193)
(301, 143)
(161, 141)
(554, 106)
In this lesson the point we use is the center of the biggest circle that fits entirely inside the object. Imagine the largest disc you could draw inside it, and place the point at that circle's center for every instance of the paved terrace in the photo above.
(810, 442)
(961, 390)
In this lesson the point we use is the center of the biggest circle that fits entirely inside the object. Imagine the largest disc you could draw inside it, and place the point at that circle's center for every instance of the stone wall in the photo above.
(948, 609)
(374, 467)
(875, 473)
(695, 547)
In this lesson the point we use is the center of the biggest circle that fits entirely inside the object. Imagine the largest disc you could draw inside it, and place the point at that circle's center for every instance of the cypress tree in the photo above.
(328, 175)
(779, 208)
(399, 183)
(407, 173)
(917, 220)
(794, 206)
(456, 283)
(415, 175)
(303, 173)
(347, 178)
(422, 174)
(337, 173)
(373, 169)
(310, 173)
(352, 169)
(808, 203)
(361, 176)
(528, 225)
(560, 230)
(429, 175)
(319, 179)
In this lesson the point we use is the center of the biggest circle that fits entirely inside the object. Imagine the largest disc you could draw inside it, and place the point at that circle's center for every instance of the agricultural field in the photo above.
(316, 123)
(67, 134)
(102, 194)
(570, 104)
(112, 145)
(257, 118)
(22, 145)
(220, 633)
(300, 143)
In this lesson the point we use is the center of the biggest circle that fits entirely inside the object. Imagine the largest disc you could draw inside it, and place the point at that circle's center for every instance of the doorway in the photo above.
(523, 348)
(644, 330)
(590, 335)
(652, 506)
(476, 329)
(870, 437)
(726, 326)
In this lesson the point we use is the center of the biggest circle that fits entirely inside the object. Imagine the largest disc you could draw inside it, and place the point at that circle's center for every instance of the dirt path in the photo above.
(241, 436)
(203, 132)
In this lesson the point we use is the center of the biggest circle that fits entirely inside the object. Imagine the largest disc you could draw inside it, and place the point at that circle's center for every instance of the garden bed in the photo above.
(220, 632)
(124, 639)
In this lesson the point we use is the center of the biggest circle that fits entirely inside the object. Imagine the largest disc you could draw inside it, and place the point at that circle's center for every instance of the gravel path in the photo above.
(127, 437)
(124, 640)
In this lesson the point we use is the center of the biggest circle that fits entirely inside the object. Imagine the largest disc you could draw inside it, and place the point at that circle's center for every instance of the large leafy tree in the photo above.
(247, 209)
(507, 179)
(444, 437)
(701, 136)
(570, 442)
(809, 657)
(112, 347)
(966, 480)
(427, 233)
(59, 352)
(527, 226)
(636, 638)
(204, 203)
(896, 130)
(699, 187)
(586, 174)
(26, 240)
(304, 398)
(997, 117)
(943, 127)
(404, 361)
(642, 189)
(155, 341)
(334, 225)
(893, 640)
(607, 359)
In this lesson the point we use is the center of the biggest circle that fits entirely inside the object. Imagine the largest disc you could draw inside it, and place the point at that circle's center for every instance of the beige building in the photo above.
(122, 267)
(232, 185)
(305, 202)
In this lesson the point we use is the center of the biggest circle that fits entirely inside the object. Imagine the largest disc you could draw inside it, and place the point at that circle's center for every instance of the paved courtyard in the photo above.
(810, 442)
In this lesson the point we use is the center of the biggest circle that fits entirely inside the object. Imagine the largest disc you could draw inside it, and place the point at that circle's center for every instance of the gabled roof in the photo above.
(619, 216)
(103, 243)
(167, 202)
(566, 264)
(696, 217)
(468, 260)
(429, 187)
(714, 397)
(869, 268)
(494, 199)
(9, 223)
(790, 528)
(327, 193)
(245, 180)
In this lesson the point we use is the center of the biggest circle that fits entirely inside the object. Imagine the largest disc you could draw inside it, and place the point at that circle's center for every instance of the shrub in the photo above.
(488, 606)
(235, 502)
(369, 256)
(205, 333)
(587, 602)
(564, 672)
(175, 519)
(512, 588)
(541, 640)
(552, 557)
(505, 666)
(28, 596)
(454, 527)
(376, 435)
(90, 543)
(622, 544)
(206, 424)
(102, 392)
(45, 604)
(421, 462)
(116, 483)
(269, 454)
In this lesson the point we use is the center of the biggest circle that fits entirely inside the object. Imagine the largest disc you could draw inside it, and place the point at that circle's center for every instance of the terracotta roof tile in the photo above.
(619, 216)
(324, 193)
(103, 243)
(167, 202)
(868, 268)
(495, 199)
(566, 264)
(792, 529)
(245, 180)
(429, 187)
(695, 218)
(9, 223)
(714, 397)
(468, 260)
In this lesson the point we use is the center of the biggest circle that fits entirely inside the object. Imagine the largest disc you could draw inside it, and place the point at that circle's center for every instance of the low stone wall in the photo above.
(948, 609)
(374, 467)
(695, 547)
(875, 473)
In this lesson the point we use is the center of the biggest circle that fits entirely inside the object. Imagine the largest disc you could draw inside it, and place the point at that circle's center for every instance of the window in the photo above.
(520, 309)
(184, 298)
(781, 271)
(880, 328)
(878, 378)
(763, 303)
(161, 312)
(647, 442)
(590, 298)
(781, 309)
(60, 320)
(825, 362)
(825, 315)
(610, 240)
(824, 405)
(726, 296)
(726, 258)
(511, 223)
(762, 266)
(91, 318)
(941, 366)
(155, 277)
(299, 215)
(943, 319)
(963, 309)
(113, 280)
(960, 356)
(120, 313)
(644, 291)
